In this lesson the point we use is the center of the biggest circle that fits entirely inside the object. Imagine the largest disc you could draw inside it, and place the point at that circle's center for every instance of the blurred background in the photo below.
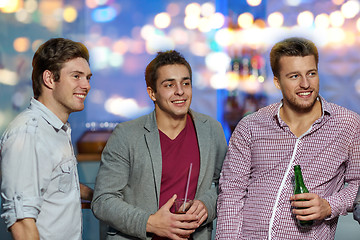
(227, 43)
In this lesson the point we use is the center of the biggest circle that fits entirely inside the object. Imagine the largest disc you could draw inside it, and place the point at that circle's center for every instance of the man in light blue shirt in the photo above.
(40, 187)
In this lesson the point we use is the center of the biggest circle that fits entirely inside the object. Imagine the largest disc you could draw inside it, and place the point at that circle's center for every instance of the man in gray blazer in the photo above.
(149, 162)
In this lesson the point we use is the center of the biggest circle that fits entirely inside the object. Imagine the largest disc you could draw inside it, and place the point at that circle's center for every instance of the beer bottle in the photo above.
(300, 188)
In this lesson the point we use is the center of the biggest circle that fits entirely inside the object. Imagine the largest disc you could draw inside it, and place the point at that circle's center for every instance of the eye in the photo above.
(88, 78)
(77, 76)
(168, 85)
(187, 83)
(294, 76)
(312, 74)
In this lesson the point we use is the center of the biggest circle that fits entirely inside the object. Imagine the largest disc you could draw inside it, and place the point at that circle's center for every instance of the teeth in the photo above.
(80, 95)
(179, 101)
(304, 93)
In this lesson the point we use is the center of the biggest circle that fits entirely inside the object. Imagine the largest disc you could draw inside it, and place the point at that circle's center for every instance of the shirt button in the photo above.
(18, 198)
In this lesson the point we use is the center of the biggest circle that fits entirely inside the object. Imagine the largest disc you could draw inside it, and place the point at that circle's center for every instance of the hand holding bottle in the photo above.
(314, 208)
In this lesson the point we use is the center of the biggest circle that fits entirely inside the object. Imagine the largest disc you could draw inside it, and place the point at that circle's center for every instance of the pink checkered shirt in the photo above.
(257, 177)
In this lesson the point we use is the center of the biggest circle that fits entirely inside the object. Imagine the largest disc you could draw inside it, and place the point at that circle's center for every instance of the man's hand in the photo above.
(316, 208)
(166, 224)
(198, 208)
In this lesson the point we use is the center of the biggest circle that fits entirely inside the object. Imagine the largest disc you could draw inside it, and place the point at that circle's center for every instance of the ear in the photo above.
(277, 83)
(48, 79)
(151, 93)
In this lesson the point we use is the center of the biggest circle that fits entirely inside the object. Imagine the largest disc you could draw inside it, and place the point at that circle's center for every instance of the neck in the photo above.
(54, 107)
(171, 126)
(300, 122)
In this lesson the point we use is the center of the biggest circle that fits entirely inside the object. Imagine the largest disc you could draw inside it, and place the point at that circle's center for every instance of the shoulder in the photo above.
(203, 118)
(26, 122)
(343, 114)
(263, 115)
(132, 128)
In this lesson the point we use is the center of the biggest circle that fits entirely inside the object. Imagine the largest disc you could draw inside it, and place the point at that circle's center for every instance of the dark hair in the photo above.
(291, 47)
(162, 59)
(51, 56)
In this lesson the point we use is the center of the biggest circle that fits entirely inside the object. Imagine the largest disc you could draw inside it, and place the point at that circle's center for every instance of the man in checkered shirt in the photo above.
(256, 199)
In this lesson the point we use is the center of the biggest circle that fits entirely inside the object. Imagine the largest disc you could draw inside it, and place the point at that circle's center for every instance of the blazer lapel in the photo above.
(203, 136)
(153, 143)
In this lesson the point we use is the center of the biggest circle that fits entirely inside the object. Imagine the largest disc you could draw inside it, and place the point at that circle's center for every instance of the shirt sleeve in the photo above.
(342, 202)
(233, 183)
(20, 168)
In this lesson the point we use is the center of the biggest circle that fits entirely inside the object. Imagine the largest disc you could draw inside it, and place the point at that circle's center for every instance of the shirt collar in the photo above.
(48, 115)
(325, 108)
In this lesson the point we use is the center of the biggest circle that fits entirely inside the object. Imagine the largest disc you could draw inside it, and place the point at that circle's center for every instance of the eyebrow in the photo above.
(80, 72)
(173, 79)
(297, 72)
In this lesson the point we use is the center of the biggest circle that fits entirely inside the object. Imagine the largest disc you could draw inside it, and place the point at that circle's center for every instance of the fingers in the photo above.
(170, 202)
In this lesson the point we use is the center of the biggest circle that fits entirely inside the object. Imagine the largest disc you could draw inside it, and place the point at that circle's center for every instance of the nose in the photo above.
(85, 84)
(304, 82)
(179, 89)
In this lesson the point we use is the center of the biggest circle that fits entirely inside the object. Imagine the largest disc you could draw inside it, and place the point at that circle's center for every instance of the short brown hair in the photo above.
(162, 59)
(51, 56)
(291, 47)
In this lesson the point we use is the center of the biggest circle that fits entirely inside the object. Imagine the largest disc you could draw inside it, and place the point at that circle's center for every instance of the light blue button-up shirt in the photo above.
(39, 174)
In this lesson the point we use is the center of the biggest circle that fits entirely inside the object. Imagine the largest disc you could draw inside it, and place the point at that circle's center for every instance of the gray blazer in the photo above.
(127, 187)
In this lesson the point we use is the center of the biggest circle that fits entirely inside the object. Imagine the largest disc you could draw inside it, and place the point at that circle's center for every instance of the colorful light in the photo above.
(162, 20)
(275, 19)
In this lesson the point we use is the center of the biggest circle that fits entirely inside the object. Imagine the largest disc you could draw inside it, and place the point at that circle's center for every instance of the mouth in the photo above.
(80, 95)
(305, 94)
(178, 101)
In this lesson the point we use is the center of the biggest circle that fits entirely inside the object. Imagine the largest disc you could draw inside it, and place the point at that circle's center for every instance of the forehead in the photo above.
(76, 64)
(296, 63)
(173, 71)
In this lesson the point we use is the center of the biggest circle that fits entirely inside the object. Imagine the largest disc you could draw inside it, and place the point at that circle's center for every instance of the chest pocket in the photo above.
(66, 180)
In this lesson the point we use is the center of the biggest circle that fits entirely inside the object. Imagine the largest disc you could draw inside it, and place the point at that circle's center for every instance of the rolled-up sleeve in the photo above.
(23, 175)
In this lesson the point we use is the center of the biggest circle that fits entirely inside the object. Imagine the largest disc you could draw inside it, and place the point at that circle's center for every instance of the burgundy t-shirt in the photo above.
(177, 155)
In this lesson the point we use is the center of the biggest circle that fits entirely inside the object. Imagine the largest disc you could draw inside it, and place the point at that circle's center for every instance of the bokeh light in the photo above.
(336, 19)
(338, 2)
(173, 9)
(21, 44)
(217, 20)
(253, 3)
(225, 37)
(305, 19)
(322, 21)
(10, 6)
(162, 20)
(70, 14)
(275, 19)
(191, 21)
(193, 9)
(245, 20)
(350, 9)
(293, 3)
(207, 9)
(105, 14)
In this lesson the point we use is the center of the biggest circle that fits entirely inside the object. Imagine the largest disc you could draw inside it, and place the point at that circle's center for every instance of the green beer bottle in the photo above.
(300, 188)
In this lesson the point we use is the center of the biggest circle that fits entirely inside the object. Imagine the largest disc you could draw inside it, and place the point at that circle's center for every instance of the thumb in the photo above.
(170, 202)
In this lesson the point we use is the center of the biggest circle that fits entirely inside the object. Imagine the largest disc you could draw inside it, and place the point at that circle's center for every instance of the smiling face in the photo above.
(174, 92)
(69, 93)
(298, 82)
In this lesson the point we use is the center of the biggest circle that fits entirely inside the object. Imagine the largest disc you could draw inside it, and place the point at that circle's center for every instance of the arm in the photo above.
(233, 184)
(339, 203)
(342, 202)
(21, 184)
(86, 193)
(24, 229)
